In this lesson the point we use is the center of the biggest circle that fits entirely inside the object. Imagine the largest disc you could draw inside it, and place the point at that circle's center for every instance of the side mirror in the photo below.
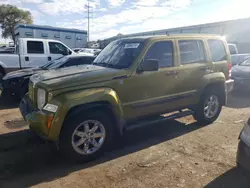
(149, 65)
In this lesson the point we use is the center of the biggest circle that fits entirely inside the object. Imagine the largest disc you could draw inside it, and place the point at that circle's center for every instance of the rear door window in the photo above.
(217, 50)
(35, 47)
(191, 51)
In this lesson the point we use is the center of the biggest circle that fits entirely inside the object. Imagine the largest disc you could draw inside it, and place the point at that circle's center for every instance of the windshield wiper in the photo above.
(104, 64)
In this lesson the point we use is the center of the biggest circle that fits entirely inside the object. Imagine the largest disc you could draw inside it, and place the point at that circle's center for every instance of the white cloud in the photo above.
(12, 2)
(19, 2)
(140, 18)
(116, 3)
(36, 15)
(146, 2)
(32, 1)
(177, 4)
(56, 7)
(103, 9)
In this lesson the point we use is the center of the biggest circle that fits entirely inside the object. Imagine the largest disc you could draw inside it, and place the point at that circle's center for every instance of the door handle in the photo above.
(169, 73)
(27, 58)
(49, 58)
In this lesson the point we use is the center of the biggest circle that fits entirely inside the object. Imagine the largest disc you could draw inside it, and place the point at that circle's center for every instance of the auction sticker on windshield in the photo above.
(132, 45)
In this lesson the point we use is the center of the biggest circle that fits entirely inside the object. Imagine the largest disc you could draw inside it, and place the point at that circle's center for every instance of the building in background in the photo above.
(73, 38)
(235, 31)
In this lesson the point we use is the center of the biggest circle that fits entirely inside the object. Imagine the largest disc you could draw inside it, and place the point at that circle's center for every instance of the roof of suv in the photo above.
(141, 38)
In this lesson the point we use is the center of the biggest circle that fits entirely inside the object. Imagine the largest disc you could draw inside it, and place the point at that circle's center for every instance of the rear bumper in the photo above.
(230, 85)
(243, 156)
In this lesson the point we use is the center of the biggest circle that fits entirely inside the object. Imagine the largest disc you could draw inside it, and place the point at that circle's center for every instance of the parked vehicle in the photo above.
(90, 51)
(241, 75)
(76, 50)
(243, 153)
(235, 56)
(131, 83)
(17, 82)
(32, 53)
(238, 58)
(233, 49)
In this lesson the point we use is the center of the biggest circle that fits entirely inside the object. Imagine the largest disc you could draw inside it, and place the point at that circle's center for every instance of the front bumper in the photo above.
(243, 155)
(37, 119)
(230, 85)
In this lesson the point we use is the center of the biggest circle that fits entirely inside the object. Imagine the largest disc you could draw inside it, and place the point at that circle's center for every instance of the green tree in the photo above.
(10, 16)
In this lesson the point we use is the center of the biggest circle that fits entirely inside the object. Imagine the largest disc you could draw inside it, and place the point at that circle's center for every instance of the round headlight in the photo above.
(41, 98)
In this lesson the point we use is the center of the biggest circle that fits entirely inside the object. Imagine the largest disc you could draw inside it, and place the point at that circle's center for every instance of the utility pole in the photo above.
(88, 20)
(88, 17)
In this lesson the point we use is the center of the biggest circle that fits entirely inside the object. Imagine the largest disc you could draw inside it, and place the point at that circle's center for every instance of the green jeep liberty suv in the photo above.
(133, 81)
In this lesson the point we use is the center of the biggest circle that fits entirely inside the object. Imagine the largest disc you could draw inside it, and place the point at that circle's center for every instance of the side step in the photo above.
(179, 114)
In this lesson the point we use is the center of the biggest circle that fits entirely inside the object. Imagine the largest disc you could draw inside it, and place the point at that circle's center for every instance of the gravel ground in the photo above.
(176, 153)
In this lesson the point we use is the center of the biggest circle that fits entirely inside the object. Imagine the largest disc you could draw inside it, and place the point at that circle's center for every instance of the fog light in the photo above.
(50, 108)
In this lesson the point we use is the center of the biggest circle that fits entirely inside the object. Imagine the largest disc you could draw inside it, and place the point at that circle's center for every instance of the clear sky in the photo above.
(110, 17)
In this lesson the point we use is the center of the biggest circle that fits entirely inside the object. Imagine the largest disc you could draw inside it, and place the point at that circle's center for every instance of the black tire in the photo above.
(199, 114)
(65, 145)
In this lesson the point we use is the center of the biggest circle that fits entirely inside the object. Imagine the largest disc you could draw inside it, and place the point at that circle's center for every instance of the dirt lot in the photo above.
(176, 153)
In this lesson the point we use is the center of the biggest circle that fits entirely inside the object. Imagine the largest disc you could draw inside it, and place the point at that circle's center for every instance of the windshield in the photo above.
(245, 63)
(119, 54)
(55, 63)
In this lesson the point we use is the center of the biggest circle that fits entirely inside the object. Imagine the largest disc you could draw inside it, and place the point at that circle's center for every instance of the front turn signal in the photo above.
(49, 120)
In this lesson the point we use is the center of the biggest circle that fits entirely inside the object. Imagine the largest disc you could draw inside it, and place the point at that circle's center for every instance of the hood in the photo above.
(76, 76)
(22, 73)
(241, 71)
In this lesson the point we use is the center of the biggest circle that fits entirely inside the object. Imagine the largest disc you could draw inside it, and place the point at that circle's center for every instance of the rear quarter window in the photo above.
(217, 50)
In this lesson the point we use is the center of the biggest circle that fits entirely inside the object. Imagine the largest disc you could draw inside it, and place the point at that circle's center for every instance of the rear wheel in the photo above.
(209, 107)
(86, 137)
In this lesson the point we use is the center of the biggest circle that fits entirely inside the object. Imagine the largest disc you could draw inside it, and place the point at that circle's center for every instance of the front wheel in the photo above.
(86, 137)
(209, 107)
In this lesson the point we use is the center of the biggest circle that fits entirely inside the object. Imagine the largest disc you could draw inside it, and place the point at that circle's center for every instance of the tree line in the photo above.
(10, 16)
